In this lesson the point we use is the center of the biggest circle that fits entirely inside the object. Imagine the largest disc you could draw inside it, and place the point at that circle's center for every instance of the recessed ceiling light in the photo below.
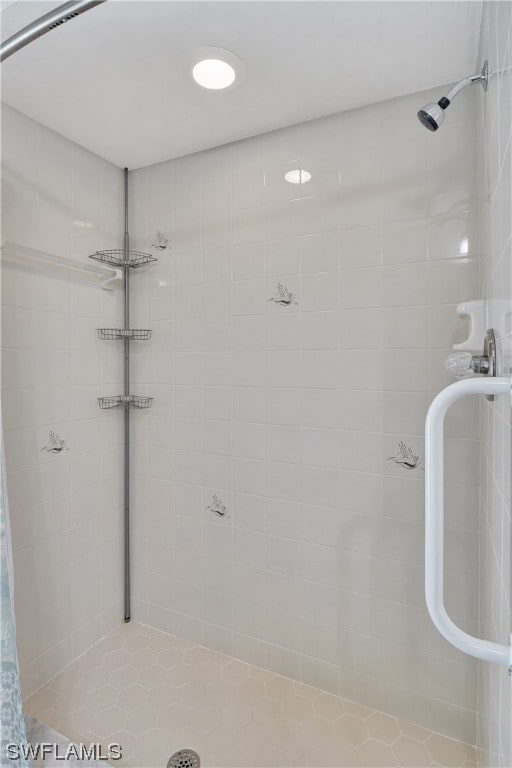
(214, 74)
(297, 176)
(213, 68)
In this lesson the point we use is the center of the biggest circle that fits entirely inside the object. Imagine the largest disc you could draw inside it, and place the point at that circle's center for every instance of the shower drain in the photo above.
(184, 758)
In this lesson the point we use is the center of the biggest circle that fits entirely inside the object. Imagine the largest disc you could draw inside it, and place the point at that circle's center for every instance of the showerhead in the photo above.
(432, 115)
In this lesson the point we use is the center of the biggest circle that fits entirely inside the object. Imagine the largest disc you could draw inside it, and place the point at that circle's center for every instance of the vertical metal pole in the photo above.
(126, 247)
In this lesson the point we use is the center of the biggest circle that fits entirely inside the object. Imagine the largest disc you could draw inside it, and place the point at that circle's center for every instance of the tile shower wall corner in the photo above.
(494, 734)
(63, 456)
(299, 338)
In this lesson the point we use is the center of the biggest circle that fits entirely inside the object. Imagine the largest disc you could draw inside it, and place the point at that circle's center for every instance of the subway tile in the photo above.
(320, 291)
(321, 368)
(284, 518)
(187, 267)
(405, 412)
(248, 440)
(405, 370)
(282, 332)
(320, 330)
(216, 265)
(217, 403)
(283, 257)
(405, 242)
(248, 297)
(453, 280)
(287, 413)
(360, 247)
(361, 288)
(321, 485)
(216, 300)
(249, 404)
(283, 443)
(282, 369)
(320, 447)
(405, 327)
(281, 406)
(405, 285)
(248, 261)
(284, 481)
(249, 476)
(319, 253)
(452, 236)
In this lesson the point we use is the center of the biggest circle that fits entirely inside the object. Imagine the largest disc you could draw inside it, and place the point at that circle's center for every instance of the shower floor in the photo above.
(154, 694)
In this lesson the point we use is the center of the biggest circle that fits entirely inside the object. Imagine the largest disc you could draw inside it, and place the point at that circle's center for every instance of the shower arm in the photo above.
(45, 24)
(481, 77)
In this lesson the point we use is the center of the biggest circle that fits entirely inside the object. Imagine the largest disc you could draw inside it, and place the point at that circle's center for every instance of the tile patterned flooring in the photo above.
(155, 694)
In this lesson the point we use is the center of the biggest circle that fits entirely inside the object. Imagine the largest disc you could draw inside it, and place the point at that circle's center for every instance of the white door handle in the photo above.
(434, 517)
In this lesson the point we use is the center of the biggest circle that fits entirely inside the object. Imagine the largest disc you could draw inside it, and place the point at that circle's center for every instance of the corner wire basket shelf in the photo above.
(113, 334)
(117, 258)
(124, 401)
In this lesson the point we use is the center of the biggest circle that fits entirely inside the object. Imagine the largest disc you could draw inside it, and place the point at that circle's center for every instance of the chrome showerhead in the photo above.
(432, 115)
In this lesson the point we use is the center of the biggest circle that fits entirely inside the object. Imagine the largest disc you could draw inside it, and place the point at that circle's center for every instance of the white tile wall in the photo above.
(289, 414)
(65, 508)
(494, 737)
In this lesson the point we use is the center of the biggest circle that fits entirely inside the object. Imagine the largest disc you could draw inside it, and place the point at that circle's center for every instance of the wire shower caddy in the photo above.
(125, 259)
(114, 334)
(116, 402)
(117, 257)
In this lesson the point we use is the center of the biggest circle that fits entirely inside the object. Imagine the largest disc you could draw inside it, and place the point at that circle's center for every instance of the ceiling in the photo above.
(113, 80)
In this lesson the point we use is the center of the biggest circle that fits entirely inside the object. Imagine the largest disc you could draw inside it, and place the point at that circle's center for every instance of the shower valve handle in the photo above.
(459, 364)
(462, 365)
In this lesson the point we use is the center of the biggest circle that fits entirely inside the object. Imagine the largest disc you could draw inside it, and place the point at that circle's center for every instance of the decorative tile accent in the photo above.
(55, 444)
(218, 507)
(161, 242)
(283, 296)
(406, 458)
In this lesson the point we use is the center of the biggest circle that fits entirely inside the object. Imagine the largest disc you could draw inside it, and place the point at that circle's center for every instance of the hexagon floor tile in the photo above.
(154, 694)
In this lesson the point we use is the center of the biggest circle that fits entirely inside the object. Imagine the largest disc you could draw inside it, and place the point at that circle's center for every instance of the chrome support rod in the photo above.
(45, 24)
(126, 343)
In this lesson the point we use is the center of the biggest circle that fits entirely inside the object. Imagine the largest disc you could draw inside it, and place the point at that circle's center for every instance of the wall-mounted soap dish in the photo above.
(476, 311)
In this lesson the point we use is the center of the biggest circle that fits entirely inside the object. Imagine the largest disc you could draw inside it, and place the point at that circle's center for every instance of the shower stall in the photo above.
(219, 428)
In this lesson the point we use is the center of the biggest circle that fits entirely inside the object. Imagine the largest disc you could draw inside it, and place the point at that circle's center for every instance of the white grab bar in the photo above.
(434, 517)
